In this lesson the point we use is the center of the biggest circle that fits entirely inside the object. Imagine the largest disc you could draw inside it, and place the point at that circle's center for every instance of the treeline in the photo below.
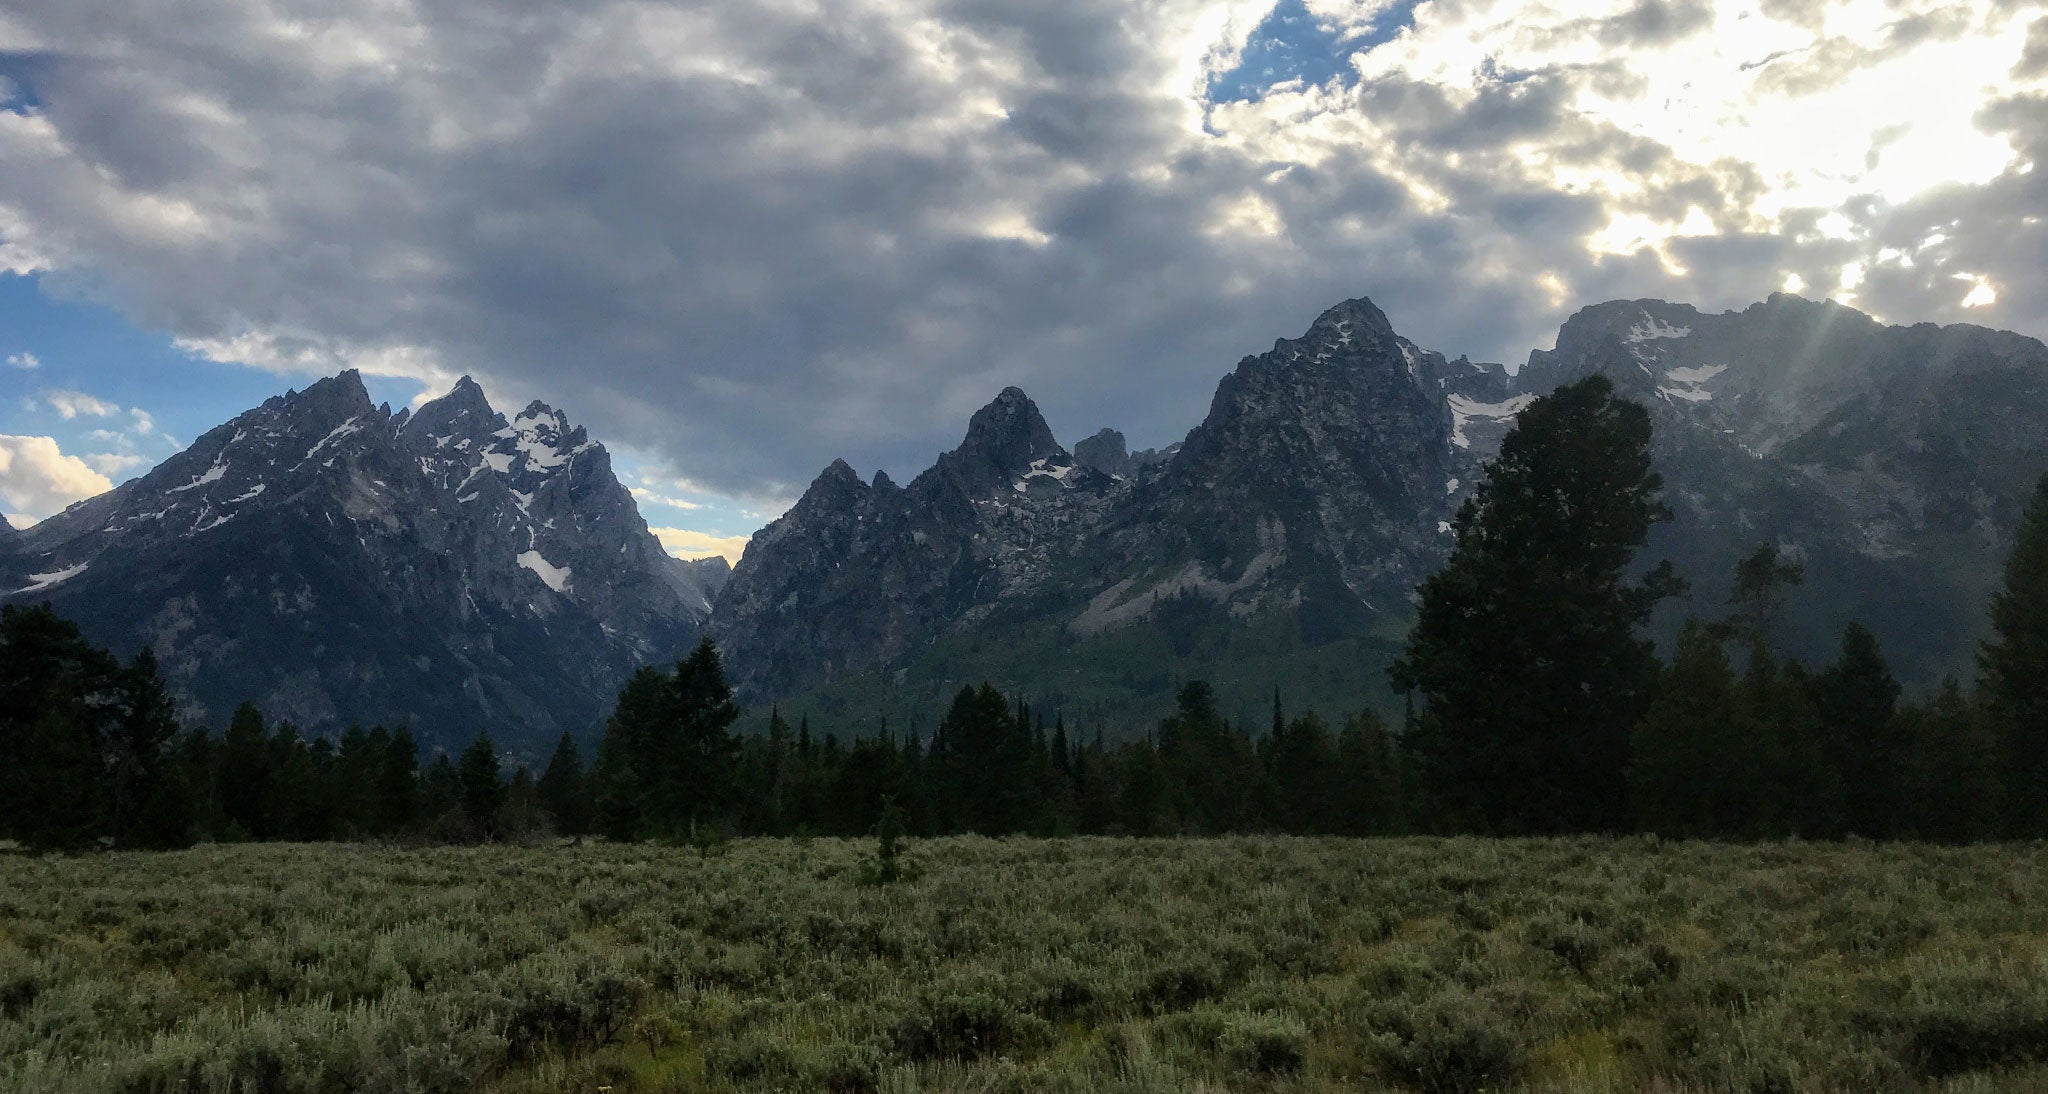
(669, 766)
(92, 754)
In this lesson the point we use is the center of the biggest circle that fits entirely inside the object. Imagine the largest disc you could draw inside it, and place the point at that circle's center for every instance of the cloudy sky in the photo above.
(739, 240)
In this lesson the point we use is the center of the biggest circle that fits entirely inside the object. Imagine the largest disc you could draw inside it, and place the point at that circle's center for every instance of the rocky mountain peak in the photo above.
(332, 563)
(838, 486)
(323, 405)
(462, 414)
(1004, 439)
(1106, 452)
(1355, 320)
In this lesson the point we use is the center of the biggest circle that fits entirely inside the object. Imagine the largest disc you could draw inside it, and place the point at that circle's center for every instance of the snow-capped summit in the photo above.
(335, 562)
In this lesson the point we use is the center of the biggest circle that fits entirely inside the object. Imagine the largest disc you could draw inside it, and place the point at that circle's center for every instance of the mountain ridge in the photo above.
(1317, 492)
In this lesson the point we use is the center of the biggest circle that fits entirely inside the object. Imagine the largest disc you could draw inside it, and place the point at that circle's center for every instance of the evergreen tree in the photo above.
(979, 757)
(398, 783)
(1367, 799)
(294, 791)
(521, 814)
(440, 790)
(561, 789)
(62, 802)
(1524, 651)
(705, 755)
(624, 777)
(483, 789)
(1693, 768)
(1212, 770)
(1302, 769)
(151, 803)
(2013, 672)
(1758, 592)
(245, 776)
(1799, 793)
(1949, 785)
(1856, 701)
(45, 665)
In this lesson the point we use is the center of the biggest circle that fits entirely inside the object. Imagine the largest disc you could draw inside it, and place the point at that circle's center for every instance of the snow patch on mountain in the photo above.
(39, 582)
(1652, 328)
(213, 474)
(1465, 411)
(556, 577)
(1689, 383)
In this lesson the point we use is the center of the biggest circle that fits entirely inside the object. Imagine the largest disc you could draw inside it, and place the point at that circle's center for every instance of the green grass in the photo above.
(1234, 964)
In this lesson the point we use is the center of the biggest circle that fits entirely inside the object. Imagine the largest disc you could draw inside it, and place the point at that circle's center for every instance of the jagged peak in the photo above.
(1009, 433)
(536, 410)
(838, 475)
(463, 410)
(1107, 451)
(1357, 315)
(883, 481)
(329, 399)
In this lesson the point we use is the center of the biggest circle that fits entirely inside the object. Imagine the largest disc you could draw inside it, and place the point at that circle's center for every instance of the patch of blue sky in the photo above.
(1292, 43)
(55, 347)
(17, 82)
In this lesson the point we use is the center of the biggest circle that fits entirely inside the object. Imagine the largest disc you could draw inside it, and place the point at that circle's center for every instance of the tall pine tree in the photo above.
(2013, 671)
(562, 790)
(1524, 652)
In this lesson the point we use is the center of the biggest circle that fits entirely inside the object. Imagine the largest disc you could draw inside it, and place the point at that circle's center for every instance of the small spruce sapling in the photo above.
(888, 867)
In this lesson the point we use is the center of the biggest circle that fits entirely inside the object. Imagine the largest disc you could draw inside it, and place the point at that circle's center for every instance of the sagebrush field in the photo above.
(1256, 963)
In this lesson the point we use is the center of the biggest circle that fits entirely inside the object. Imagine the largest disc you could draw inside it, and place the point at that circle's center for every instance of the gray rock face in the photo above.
(1321, 484)
(858, 574)
(333, 562)
(1315, 486)
(1105, 452)
(1894, 460)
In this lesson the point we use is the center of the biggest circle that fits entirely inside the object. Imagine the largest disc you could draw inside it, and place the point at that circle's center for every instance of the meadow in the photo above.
(1419, 964)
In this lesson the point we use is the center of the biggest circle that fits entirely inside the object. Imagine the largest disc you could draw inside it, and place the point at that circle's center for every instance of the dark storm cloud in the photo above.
(752, 238)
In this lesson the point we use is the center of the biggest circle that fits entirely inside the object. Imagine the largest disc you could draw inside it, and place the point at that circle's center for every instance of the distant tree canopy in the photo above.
(1524, 654)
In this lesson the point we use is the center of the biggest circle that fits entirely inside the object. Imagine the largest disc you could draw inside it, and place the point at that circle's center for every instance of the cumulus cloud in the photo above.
(24, 360)
(754, 237)
(648, 496)
(37, 479)
(112, 464)
(684, 543)
(71, 404)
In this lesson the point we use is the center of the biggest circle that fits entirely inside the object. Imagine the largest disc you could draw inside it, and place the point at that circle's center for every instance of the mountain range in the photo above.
(333, 561)
(1280, 543)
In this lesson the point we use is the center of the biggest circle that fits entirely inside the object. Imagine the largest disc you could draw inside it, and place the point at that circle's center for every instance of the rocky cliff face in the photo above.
(334, 562)
(1320, 485)
(858, 574)
(1317, 488)
(1894, 460)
